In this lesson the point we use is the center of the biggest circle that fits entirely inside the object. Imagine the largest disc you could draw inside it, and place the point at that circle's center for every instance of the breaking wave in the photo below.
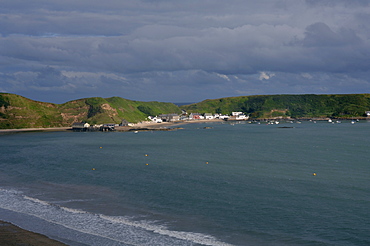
(120, 230)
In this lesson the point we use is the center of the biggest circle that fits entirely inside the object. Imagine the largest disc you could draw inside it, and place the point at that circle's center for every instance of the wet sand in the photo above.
(11, 235)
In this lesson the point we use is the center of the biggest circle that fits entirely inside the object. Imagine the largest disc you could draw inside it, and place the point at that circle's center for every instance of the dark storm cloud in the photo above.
(175, 50)
(320, 34)
(331, 3)
(49, 76)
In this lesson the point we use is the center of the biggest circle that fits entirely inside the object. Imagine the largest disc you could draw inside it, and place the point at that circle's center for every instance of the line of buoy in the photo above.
(147, 164)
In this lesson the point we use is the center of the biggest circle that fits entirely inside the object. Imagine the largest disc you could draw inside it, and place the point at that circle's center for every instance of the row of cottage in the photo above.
(206, 116)
(197, 116)
(166, 118)
(83, 126)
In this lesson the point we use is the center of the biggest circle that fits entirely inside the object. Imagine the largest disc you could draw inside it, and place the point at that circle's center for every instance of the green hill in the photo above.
(295, 106)
(20, 112)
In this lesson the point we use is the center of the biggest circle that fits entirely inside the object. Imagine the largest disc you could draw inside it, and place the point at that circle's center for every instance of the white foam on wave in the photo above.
(10, 191)
(193, 237)
(72, 200)
(119, 229)
(37, 200)
(80, 222)
(73, 210)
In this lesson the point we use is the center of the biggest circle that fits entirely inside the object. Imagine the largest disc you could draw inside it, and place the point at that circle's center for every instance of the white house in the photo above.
(242, 117)
(208, 116)
(236, 113)
(223, 117)
(169, 117)
(80, 125)
(155, 119)
(238, 116)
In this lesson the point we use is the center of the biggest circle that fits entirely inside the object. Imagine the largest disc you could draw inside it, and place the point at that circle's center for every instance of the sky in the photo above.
(183, 51)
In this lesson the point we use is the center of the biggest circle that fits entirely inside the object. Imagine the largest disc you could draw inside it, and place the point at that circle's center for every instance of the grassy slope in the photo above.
(350, 105)
(20, 112)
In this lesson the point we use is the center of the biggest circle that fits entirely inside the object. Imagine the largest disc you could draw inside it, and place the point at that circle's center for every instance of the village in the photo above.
(163, 121)
(163, 118)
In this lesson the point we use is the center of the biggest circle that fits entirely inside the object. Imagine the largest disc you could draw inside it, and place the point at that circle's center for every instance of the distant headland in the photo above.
(17, 112)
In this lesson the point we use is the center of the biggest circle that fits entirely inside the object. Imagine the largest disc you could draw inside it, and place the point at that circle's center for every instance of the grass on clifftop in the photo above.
(20, 112)
(295, 106)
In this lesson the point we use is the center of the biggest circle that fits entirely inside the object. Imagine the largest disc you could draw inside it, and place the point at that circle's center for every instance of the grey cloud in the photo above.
(156, 49)
(331, 3)
(320, 34)
(341, 51)
(49, 76)
(56, 24)
(214, 49)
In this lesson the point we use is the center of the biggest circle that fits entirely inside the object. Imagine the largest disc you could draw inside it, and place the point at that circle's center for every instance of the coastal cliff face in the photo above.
(20, 112)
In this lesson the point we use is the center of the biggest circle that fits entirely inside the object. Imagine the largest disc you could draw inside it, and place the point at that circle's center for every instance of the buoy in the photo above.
(206, 162)
(314, 174)
(147, 164)
(93, 169)
(101, 147)
(146, 154)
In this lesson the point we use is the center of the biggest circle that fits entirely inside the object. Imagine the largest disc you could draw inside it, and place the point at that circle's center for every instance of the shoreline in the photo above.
(138, 126)
(54, 129)
(11, 235)
(164, 126)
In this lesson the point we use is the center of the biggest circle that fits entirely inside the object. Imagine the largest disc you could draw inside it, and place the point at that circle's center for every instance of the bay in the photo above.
(207, 184)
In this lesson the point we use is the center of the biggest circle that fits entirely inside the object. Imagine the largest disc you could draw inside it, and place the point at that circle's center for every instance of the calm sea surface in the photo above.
(207, 184)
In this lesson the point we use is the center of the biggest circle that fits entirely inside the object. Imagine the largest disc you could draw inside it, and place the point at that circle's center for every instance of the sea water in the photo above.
(206, 184)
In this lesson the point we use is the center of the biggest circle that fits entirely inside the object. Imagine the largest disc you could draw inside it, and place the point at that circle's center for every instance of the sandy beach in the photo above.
(11, 235)
(141, 125)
